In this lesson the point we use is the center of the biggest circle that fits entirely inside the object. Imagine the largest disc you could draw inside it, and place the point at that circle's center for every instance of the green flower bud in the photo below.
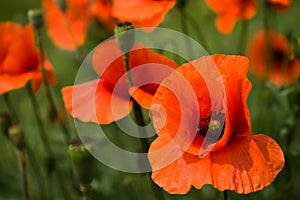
(36, 18)
(5, 123)
(125, 37)
(16, 136)
(82, 160)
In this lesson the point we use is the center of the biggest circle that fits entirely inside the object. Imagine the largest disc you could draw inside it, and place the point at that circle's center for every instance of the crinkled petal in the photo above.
(246, 165)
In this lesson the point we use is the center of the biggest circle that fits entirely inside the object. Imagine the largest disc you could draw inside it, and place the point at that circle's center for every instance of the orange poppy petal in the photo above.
(50, 74)
(143, 98)
(108, 63)
(247, 165)
(177, 177)
(281, 68)
(168, 116)
(219, 6)
(93, 101)
(8, 82)
(21, 55)
(143, 13)
(280, 5)
(230, 11)
(237, 89)
(226, 22)
(68, 30)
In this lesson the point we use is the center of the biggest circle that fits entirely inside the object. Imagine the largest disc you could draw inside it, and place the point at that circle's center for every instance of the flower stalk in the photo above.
(37, 15)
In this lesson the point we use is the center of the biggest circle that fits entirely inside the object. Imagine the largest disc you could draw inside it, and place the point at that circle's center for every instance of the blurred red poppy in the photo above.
(280, 5)
(272, 58)
(99, 101)
(142, 13)
(19, 58)
(236, 160)
(68, 29)
(229, 11)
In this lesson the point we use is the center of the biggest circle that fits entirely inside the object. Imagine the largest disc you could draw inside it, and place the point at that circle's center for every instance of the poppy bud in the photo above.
(124, 37)
(35, 17)
(61, 4)
(16, 136)
(82, 160)
(297, 48)
(5, 123)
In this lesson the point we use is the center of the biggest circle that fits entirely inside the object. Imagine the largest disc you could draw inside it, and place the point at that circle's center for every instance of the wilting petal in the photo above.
(93, 101)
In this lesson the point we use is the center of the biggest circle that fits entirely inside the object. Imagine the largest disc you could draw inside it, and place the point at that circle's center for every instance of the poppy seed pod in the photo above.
(61, 4)
(124, 37)
(5, 123)
(16, 136)
(36, 18)
(82, 160)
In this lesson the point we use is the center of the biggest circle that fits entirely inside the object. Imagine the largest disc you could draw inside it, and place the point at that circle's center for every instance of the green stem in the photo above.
(48, 90)
(12, 112)
(31, 158)
(136, 107)
(141, 122)
(24, 174)
(225, 195)
(127, 68)
(41, 127)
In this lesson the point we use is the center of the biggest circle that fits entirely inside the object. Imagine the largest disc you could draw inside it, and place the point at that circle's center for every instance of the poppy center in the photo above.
(278, 56)
(211, 126)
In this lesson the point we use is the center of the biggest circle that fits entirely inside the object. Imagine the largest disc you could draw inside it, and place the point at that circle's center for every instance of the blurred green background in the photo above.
(274, 112)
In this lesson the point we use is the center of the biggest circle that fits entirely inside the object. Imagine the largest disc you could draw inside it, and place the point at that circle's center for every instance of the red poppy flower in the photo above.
(272, 58)
(142, 13)
(236, 160)
(68, 29)
(19, 58)
(98, 101)
(280, 5)
(229, 11)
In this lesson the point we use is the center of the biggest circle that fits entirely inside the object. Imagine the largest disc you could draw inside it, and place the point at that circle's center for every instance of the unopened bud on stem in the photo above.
(36, 18)
(124, 36)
